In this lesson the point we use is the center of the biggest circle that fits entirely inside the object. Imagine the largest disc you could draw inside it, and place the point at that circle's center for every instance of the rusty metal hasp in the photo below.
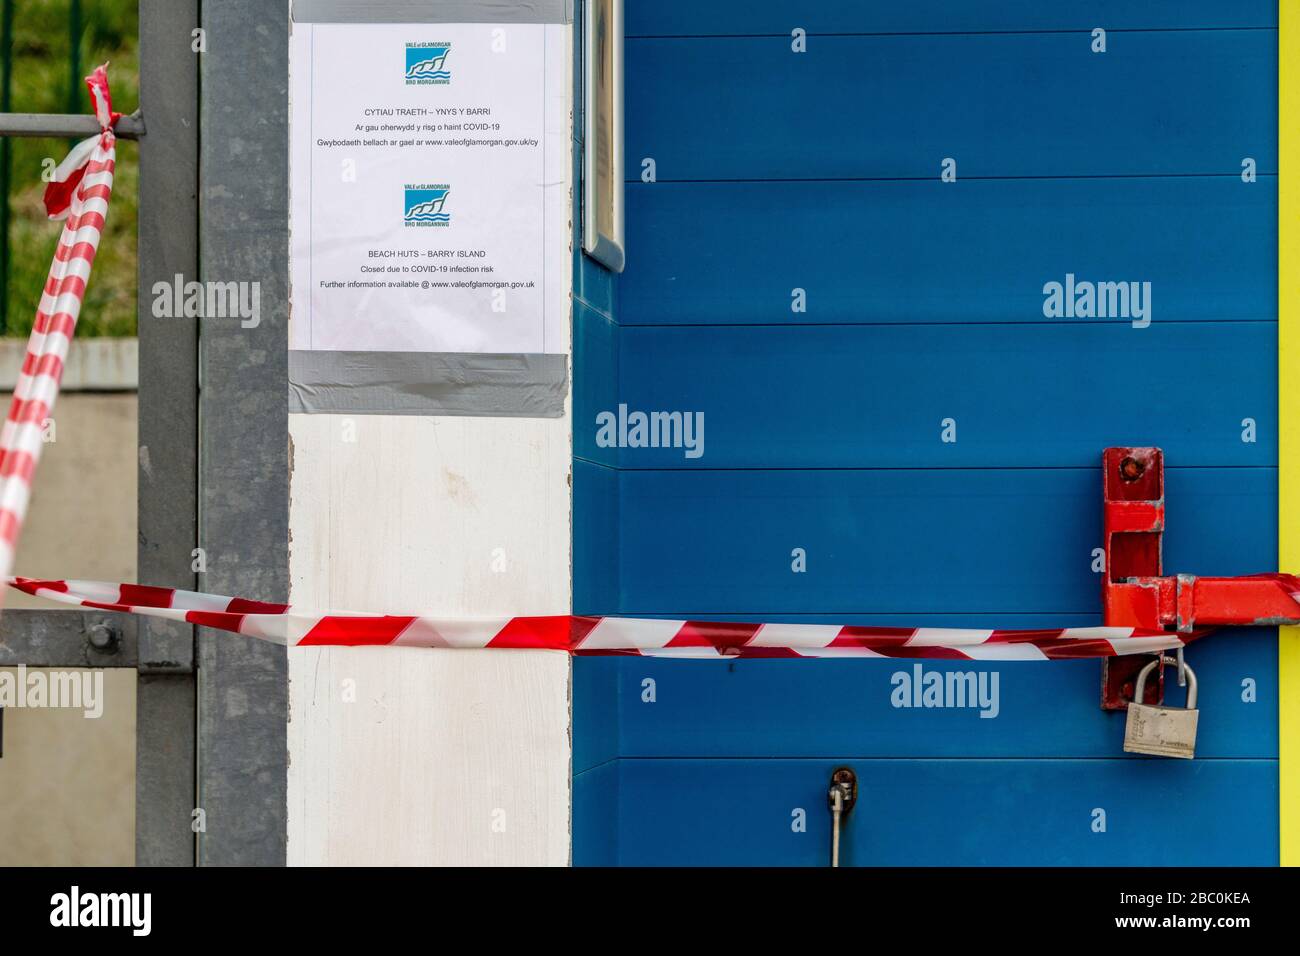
(1135, 592)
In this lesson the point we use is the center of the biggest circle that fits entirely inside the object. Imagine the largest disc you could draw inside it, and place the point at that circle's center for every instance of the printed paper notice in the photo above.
(430, 186)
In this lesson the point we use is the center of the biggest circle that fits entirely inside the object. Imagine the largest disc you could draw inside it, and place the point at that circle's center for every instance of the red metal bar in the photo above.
(1136, 593)
(1185, 602)
(1133, 514)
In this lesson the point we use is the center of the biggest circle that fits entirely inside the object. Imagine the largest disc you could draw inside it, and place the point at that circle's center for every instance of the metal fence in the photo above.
(6, 105)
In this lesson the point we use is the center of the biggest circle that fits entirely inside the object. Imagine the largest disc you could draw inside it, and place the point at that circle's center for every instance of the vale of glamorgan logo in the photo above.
(426, 64)
(426, 204)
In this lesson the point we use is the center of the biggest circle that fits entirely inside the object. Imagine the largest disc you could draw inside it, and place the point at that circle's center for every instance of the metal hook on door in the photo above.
(841, 797)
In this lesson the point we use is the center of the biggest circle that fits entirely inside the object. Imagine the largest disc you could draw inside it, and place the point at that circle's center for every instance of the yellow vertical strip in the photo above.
(1288, 394)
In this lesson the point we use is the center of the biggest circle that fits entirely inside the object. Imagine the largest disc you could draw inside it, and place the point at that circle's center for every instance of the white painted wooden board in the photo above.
(444, 756)
(431, 756)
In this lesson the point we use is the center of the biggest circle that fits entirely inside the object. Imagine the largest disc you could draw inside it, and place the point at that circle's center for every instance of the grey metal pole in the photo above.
(168, 429)
(67, 125)
(244, 426)
(6, 80)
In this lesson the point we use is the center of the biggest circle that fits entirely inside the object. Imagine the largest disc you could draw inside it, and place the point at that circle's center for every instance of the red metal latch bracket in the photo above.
(1134, 593)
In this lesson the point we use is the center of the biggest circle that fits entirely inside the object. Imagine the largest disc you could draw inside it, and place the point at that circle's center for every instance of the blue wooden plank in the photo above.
(951, 812)
(911, 541)
(1023, 104)
(595, 536)
(754, 17)
(596, 689)
(593, 285)
(971, 251)
(781, 708)
(595, 377)
(879, 396)
(595, 816)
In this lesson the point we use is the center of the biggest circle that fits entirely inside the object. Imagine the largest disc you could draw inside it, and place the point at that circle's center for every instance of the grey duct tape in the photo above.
(428, 383)
(433, 11)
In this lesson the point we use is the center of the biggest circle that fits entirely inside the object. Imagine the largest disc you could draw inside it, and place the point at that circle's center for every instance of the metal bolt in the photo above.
(1130, 469)
(844, 782)
(101, 636)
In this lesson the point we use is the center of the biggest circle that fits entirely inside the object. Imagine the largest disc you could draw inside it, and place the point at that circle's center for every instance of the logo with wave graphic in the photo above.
(424, 205)
(426, 64)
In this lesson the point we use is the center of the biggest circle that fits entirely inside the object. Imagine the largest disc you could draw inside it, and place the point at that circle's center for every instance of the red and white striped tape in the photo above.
(282, 624)
(80, 192)
(81, 189)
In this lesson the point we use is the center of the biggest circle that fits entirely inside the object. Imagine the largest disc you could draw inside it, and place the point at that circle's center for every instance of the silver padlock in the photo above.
(1161, 731)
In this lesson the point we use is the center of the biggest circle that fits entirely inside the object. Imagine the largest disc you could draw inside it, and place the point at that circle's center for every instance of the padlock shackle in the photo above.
(1139, 689)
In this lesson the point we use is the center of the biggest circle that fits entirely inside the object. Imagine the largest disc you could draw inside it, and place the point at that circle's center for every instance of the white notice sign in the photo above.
(430, 177)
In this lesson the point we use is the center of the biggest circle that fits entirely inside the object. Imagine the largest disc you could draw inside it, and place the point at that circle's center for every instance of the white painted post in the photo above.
(422, 756)
(412, 755)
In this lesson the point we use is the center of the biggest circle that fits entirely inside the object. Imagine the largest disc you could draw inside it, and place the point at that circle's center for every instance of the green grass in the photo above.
(41, 84)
